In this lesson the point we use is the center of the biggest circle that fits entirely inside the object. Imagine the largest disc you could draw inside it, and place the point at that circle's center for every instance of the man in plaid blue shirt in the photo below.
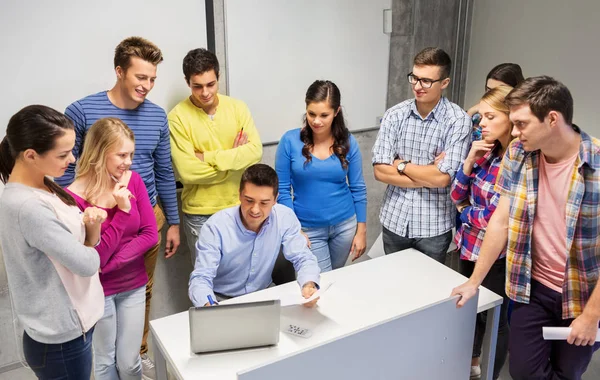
(548, 220)
(420, 145)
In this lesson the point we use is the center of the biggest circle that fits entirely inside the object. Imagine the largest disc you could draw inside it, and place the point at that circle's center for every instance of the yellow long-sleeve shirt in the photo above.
(213, 184)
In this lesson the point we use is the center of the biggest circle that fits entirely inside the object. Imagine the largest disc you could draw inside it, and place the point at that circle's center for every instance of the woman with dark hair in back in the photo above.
(45, 237)
(321, 165)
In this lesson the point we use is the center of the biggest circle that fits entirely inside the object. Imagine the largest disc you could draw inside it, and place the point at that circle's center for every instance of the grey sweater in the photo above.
(43, 259)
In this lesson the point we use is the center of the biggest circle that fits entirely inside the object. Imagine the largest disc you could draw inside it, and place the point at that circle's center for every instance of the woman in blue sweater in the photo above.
(322, 165)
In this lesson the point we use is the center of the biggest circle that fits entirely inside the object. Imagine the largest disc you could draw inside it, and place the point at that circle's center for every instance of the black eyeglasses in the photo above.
(425, 82)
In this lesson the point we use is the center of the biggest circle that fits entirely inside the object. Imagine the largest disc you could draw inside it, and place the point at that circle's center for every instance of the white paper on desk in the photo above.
(297, 299)
(560, 333)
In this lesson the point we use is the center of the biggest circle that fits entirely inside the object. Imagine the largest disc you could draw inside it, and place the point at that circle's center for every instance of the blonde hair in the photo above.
(495, 98)
(104, 137)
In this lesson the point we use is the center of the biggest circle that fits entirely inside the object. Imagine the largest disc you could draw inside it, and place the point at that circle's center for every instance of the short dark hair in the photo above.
(433, 56)
(136, 47)
(543, 94)
(509, 73)
(260, 175)
(199, 61)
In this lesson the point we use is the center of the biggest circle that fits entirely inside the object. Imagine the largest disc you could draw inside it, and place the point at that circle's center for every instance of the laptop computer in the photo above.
(235, 326)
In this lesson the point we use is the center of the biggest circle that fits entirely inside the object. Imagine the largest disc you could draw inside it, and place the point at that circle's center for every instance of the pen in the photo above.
(211, 301)
(240, 135)
(117, 181)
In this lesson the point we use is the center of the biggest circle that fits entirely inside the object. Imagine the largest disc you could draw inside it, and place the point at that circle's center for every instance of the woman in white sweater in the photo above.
(47, 244)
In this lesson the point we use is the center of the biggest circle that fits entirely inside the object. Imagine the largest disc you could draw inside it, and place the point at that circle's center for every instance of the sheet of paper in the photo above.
(297, 299)
(560, 333)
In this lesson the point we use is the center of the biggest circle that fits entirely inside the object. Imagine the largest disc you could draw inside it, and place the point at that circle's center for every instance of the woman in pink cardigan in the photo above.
(104, 180)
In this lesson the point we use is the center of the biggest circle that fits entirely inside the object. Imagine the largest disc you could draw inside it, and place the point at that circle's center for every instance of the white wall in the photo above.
(55, 52)
(546, 37)
(276, 49)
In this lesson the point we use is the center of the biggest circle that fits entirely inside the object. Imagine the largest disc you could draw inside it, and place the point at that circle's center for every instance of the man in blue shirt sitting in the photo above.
(238, 246)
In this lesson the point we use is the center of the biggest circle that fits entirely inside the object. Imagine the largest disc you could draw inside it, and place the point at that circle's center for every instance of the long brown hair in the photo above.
(321, 91)
(104, 136)
(34, 127)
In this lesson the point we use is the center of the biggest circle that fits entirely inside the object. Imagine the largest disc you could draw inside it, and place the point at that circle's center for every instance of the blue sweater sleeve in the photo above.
(76, 114)
(356, 181)
(165, 178)
(283, 167)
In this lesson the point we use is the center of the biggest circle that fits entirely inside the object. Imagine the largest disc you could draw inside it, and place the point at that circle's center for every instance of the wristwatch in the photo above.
(402, 166)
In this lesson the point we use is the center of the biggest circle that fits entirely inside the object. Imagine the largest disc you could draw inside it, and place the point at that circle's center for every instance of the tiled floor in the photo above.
(593, 372)
(18, 374)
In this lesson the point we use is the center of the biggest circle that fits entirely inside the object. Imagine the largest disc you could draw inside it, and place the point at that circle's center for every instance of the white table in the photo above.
(487, 301)
(363, 295)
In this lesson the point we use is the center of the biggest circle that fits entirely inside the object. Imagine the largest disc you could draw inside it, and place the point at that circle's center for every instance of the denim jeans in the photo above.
(331, 245)
(118, 336)
(192, 224)
(69, 361)
(494, 281)
(434, 247)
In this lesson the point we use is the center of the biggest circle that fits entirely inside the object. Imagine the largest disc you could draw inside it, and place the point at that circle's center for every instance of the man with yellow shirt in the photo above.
(213, 139)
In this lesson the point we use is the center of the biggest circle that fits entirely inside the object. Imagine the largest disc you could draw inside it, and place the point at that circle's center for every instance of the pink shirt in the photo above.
(550, 226)
(84, 292)
(126, 237)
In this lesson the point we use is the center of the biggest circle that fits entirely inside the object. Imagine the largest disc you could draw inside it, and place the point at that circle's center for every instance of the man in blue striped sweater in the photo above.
(135, 64)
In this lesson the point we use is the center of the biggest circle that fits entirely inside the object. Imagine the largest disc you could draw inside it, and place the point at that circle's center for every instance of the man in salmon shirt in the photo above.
(549, 221)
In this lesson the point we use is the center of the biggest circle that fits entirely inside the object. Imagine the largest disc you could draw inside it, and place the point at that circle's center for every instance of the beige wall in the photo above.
(546, 37)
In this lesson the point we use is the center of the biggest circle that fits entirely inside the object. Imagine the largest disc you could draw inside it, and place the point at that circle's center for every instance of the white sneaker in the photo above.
(148, 372)
(475, 372)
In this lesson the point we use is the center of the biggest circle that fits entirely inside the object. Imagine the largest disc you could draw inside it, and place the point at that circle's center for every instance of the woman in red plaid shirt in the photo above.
(475, 199)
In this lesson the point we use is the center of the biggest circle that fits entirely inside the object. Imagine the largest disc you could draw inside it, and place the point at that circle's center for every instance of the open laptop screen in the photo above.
(235, 326)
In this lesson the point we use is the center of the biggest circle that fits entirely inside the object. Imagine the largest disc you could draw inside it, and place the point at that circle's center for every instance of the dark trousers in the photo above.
(434, 247)
(69, 361)
(532, 357)
(494, 281)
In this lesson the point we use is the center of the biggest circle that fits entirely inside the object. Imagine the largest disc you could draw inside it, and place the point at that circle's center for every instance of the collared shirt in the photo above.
(518, 180)
(421, 212)
(232, 260)
(478, 188)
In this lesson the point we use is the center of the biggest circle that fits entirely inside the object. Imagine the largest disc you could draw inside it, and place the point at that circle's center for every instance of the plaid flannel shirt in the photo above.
(478, 188)
(518, 180)
(421, 212)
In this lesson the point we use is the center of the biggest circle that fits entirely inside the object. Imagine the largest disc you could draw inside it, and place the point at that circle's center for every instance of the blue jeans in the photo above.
(67, 361)
(192, 224)
(434, 247)
(331, 245)
(495, 281)
(118, 336)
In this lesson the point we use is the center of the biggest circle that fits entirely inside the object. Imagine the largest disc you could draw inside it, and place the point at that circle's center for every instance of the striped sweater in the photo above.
(152, 159)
